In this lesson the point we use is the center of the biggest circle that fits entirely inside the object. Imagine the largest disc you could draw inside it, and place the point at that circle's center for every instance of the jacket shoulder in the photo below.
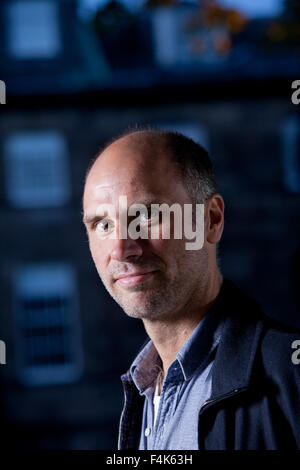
(278, 342)
(279, 346)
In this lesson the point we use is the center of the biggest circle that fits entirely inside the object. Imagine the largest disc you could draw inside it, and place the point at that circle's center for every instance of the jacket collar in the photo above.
(242, 331)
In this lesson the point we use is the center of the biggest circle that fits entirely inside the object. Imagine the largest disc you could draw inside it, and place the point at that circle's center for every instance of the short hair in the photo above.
(192, 160)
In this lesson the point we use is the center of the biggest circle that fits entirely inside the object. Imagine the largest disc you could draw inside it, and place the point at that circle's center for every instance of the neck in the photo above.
(169, 335)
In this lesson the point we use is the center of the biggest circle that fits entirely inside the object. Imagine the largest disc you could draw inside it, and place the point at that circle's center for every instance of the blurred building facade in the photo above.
(67, 341)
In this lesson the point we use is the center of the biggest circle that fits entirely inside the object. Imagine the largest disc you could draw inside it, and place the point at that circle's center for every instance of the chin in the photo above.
(143, 313)
(144, 305)
(136, 312)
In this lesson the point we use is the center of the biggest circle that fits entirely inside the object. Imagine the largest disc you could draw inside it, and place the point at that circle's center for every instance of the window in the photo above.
(33, 29)
(36, 167)
(290, 138)
(181, 37)
(191, 129)
(165, 33)
(48, 346)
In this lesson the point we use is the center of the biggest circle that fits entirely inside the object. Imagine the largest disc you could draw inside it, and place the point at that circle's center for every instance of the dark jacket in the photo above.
(255, 400)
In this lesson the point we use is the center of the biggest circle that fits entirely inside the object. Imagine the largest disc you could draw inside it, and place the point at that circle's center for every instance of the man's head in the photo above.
(147, 167)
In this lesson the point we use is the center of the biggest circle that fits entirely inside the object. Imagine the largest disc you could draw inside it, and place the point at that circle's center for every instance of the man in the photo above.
(216, 373)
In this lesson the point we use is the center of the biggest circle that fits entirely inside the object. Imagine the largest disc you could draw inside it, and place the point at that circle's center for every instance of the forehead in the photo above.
(133, 171)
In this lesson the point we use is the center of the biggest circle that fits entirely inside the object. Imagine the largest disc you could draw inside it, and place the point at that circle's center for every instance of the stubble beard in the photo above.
(162, 298)
(143, 301)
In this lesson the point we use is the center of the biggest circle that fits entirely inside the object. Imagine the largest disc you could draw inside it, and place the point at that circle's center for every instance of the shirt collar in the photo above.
(145, 367)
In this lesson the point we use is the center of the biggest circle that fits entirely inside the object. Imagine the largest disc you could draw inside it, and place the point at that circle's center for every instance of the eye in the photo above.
(104, 226)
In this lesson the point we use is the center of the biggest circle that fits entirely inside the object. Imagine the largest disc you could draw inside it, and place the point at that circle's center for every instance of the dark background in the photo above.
(73, 82)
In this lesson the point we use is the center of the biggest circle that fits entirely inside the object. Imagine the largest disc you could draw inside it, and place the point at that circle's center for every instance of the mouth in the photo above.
(134, 279)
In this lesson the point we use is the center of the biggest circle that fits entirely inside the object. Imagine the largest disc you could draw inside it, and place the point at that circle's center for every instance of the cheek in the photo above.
(99, 252)
(170, 251)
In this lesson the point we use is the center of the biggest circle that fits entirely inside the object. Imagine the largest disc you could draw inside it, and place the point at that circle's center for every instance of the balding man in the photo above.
(216, 373)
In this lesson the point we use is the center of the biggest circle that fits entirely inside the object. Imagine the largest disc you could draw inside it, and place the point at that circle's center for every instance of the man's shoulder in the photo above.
(250, 310)
(279, 346)
(278, 341)
(279, 331)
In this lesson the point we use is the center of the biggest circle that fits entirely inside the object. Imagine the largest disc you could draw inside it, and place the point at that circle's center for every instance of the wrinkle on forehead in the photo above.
(112, 179)
(118, 177)
(107, 190)
(130, 170)
(115, 171)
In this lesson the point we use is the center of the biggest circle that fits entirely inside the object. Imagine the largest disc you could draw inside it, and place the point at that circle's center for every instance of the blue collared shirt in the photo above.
(186, 387)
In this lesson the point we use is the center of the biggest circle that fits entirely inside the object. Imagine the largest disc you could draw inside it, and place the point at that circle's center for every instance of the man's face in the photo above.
(174, 276)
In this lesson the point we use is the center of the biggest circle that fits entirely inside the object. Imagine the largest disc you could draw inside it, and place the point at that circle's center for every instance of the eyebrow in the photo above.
(90, 219)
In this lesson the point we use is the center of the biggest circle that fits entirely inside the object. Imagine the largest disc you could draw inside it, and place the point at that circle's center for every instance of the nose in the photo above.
(125, 249)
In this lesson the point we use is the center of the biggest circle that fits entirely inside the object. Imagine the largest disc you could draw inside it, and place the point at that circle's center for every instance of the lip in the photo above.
(135, 278)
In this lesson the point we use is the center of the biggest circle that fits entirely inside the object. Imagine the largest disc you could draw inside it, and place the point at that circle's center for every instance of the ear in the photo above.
(214, 211)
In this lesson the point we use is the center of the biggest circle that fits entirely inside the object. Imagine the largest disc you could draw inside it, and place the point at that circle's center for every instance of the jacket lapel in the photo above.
(241, 334)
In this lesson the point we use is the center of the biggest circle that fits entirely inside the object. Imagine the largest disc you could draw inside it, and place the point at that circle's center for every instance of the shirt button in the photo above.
(147, 432)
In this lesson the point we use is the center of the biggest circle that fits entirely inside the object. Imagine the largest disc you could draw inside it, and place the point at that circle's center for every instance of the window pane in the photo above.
(48, 346)
(33, 30)
(37, 172)
(195, 131)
